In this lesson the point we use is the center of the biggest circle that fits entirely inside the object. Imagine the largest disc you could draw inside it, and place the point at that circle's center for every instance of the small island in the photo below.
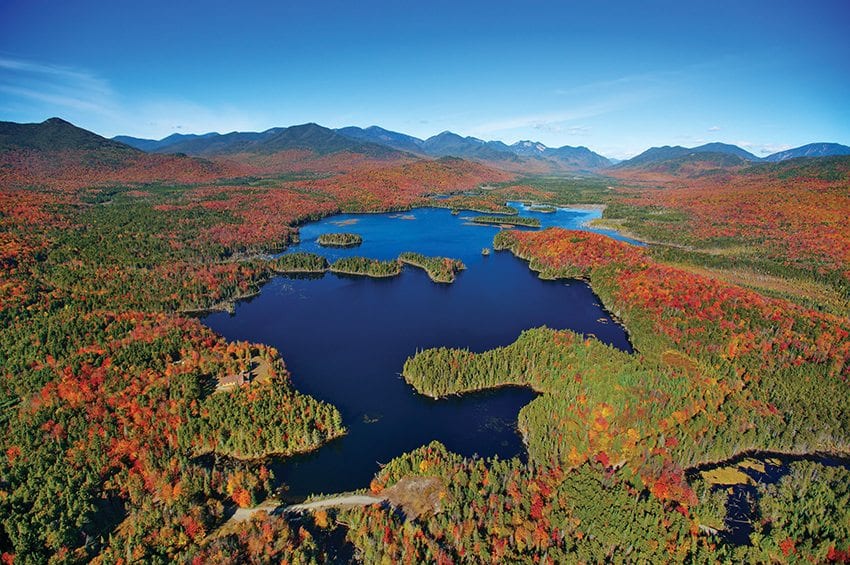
(300, 263)
(439, 269)
(508, 221)
(485, 251)
(364, 266)
(339, 240)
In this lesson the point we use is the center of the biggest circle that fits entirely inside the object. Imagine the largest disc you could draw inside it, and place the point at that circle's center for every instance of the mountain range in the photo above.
(517, 156)
(378, 143)
(721, 155)
(312, 137)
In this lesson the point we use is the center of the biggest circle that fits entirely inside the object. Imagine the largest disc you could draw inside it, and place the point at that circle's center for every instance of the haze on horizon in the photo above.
(617, 78)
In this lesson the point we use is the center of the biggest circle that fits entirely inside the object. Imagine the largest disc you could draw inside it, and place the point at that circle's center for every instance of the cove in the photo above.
(345, 339)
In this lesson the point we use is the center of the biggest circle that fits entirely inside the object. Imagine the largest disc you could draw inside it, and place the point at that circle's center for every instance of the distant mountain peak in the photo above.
(57, 121)
(712, 151)
(528, 147)
(385, 137)
(307, 126)
(55, 134)
(727, 148)
(655, 155)
(819, 149)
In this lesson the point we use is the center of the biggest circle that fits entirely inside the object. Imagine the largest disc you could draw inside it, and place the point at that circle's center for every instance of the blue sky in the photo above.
(616, 77)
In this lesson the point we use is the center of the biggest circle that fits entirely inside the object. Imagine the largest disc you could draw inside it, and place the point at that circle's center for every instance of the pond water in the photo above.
(742, 503)
(345, 339)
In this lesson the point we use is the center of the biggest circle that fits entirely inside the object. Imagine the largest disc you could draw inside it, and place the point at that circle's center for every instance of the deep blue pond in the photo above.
(345, 339)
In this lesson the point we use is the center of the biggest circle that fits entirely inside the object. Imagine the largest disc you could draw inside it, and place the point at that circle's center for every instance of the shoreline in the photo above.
(273, 454)
(615, 317)
(600, 207)
(531, 203)
(756, 453)
(430, 275)
(584, 207)
(603, 224)
(300, 271)
(476, 390)
(479, 221)
(359, 274)
(226, 305)
(339, 245)
(476, 210)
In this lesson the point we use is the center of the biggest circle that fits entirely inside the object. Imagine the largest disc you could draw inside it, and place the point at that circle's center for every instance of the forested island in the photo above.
(482, 205)
(339, 240)
(440, 269)
(366, 267)
(300, 263)
(523, 221)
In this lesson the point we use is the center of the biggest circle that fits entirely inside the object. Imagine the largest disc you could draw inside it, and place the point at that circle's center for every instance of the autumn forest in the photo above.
(131, 432)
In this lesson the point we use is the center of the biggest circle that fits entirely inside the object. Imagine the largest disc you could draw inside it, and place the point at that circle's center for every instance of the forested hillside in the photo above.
(130, 432)
(118, 442)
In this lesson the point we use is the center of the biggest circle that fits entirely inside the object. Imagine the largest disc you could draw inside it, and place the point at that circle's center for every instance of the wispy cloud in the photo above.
(584, 102)
(763, 148)
(55, 99)
(557, 128)
(80, 79)
(63, 88)
(38, 89)
(630, 82)
(158, 118)
(714, 128)
(559, 121)
(548, 121)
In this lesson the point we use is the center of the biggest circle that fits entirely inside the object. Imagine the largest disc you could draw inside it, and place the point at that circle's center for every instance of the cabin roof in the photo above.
(237, 379)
